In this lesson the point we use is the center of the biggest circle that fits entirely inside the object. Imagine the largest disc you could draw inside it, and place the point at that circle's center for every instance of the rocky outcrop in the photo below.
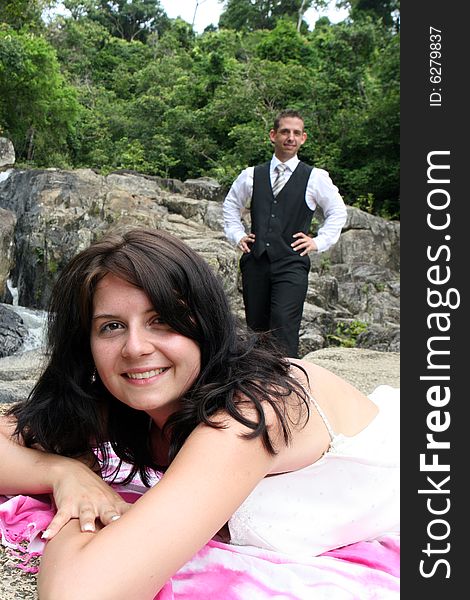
(18, 374)
(7, 153)
(7, 254)
(60, 212)
(354, 290)
(12, 331)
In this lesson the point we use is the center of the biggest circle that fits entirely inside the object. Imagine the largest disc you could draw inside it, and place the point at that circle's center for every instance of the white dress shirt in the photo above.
(320, 191)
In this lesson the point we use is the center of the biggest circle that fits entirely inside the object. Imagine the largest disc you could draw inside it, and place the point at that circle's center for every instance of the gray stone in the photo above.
(22, 367)
(7, 153)
(12, 331)
(365, 369)
(204, 188)
(18, 375)
(7, 250)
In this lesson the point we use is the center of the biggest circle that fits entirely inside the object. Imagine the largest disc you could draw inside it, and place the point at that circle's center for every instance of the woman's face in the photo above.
(141, 360)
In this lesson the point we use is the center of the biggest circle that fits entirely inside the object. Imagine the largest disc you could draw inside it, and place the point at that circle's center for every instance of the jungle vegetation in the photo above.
(116, 84)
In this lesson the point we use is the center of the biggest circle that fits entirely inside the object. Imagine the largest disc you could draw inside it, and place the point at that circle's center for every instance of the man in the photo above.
(275, 264)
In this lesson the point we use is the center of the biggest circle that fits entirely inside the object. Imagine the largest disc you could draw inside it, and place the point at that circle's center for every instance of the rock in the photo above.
(213, 217)
(189, 208)
(18, 375)
(7, 153)
(384, 338)
(362, 235)
(15, 583)
(12, 331)
(22, 367)
(322, 289)
(61, 212)
(365, 369)
(369, 291)
(14, 391)
(7, 250)
(310, 340)
(204, 188)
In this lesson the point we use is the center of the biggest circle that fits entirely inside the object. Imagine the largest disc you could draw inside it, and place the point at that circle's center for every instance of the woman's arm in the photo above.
(78, 492)
(212, 474)
(24, 470)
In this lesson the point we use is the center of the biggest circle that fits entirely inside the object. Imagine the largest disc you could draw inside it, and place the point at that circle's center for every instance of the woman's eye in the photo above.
(110, 327)
(158, 321)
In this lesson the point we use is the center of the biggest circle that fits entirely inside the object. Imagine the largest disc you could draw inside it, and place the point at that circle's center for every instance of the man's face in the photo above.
(288, 138)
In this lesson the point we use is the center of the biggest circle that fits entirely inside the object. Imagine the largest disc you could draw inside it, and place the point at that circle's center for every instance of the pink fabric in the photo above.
(22, 520)
(362, 571)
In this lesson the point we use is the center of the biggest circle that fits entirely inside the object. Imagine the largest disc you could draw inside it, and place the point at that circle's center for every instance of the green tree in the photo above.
(79, 43)
(178, 104)
(354, 113)
(284, 43)
(125, 19)
(250, 15)
(369, 156)
(38, 109)
(21, 13)
(387, 11)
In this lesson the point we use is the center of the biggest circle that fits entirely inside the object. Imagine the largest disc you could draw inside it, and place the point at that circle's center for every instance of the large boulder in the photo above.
(7, 153)
(61, 212)
(7, 251)
(13, 331)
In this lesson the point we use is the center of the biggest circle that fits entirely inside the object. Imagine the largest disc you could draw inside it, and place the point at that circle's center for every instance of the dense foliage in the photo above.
(119, 85)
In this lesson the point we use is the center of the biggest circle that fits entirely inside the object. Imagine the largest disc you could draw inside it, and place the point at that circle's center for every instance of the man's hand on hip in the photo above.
(303, 244)
(245, 243)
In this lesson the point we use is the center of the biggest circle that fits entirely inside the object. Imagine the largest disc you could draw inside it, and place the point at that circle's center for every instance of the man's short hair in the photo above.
(284, 114)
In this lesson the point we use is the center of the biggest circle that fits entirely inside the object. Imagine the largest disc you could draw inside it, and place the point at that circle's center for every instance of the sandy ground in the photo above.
(363, 368)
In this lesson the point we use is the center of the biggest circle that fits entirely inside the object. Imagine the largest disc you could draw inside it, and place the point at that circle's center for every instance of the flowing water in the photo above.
(33, 319)
(4, 175)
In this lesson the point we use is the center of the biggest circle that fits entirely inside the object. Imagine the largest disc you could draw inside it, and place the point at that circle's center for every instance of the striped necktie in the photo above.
(280, 179)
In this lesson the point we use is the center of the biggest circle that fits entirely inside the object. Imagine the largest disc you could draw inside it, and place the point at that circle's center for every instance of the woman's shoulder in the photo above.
(347, 409)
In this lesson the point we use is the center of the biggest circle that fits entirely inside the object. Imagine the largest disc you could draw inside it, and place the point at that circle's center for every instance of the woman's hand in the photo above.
(78, 492)
(81, 494)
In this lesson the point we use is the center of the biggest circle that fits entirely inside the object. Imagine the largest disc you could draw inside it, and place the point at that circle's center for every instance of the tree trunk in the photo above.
(301, 14)
(30, 143)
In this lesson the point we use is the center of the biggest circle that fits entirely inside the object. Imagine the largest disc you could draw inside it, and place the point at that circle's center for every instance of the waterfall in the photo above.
(4, 175)
(33, 319)
(35, 322)
(13, 291)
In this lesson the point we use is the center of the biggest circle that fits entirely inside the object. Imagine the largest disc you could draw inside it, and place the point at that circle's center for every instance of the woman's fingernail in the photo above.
(88, 527)
(46, 534)
(115, 517)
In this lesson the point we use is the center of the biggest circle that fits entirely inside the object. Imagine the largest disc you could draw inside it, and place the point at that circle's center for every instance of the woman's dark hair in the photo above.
(68, 414)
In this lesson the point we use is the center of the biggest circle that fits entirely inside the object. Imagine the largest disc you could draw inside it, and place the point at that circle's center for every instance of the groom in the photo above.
(284, 193)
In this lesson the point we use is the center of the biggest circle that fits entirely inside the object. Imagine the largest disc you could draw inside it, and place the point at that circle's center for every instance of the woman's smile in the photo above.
(145, 376)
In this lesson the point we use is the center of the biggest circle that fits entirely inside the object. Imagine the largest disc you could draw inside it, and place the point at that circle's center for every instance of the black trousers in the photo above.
(274, 295)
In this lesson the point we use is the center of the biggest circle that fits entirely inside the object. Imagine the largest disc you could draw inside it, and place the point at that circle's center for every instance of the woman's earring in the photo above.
(93, 376)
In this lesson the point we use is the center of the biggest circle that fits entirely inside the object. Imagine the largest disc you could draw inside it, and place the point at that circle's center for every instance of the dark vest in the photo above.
(275, 220)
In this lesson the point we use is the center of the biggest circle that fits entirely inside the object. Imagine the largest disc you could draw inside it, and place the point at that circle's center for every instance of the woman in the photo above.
(146, 355)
